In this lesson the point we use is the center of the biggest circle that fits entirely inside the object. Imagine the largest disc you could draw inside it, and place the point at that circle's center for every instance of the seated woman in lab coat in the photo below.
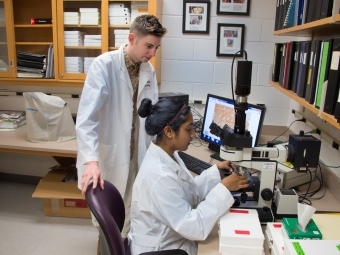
(170, 208)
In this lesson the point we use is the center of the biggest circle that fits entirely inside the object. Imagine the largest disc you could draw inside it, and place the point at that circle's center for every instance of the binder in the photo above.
(277, 61)
(295, 65)
(287, 54)
(31, 64)
(324, 68)
(300, 12)
(311, 11)
(282, 65)
(333, 78)
(304, 12)
(326, 9)
(303, 68)
(313, 71)
(31, 56)
(289, 18)
(277, 15)
(290, 61)
(317, 9)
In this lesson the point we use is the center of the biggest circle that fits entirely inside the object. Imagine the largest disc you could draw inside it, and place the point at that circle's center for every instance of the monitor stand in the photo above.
(216, 149)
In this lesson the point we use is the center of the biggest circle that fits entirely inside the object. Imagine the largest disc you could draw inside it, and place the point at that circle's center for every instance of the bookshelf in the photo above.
(292, 95)
(22, 36)
(322, 28)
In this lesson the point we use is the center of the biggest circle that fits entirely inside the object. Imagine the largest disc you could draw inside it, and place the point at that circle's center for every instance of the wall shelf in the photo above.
(292, 95)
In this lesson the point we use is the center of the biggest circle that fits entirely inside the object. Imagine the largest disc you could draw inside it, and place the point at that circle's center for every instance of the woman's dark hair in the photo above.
(166, 112)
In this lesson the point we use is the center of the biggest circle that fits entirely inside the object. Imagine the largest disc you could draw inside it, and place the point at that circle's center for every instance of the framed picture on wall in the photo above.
(196, 17)
(233, 7)
(230, 39)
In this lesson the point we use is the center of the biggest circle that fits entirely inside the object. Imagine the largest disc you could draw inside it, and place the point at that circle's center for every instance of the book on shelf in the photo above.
(31, 57)
(313, 71)
(277, 61)
(31, 64)
(324, 68)
(295, 69)
(333, 78)
(289, 71)
(30, 75)
(303, 68)
(12, 119)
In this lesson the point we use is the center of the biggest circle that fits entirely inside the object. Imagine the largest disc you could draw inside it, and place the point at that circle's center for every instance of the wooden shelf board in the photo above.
(32, 26)
(84, 47)
(42, 82)
(309, 28)
(33, 43)
(119, 26)
(85, 26)
(327, 117)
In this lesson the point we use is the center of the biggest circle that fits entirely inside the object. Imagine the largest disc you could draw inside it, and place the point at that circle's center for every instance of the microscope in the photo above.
(236, 146)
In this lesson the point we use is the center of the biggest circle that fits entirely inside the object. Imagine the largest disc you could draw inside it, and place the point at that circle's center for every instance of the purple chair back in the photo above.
(107, 207)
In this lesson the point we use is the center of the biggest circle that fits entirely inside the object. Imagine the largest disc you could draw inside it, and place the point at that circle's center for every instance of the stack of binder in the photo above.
(92, 40)
(138, 8)
(71, 18)
(74, 64)
(119, 14)
(89, 16)
(87, 63)
(73, 38)
(30, 65)
(121, 37)
(240, 232)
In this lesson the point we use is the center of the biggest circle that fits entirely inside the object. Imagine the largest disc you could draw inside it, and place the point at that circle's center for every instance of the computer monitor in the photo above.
(221, 111)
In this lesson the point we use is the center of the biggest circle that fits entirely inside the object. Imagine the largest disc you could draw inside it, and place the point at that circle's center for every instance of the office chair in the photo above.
(107, 206)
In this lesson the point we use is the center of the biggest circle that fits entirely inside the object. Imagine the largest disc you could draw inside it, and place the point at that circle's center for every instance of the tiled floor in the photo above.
(25, 230)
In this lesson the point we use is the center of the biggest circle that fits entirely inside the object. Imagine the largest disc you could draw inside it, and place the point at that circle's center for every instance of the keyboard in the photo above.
(192, 163)
(198, 166)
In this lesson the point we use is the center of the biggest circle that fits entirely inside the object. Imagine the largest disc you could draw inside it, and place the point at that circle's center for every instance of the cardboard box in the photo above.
(61, 198)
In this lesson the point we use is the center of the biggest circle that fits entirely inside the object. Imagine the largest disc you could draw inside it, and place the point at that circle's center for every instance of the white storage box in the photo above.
(274, 238)
(311, 247)
(241, 249)
(241, 227)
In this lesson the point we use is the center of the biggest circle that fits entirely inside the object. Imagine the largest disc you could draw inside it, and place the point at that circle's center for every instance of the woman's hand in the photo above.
(225, 165)
(235, 182)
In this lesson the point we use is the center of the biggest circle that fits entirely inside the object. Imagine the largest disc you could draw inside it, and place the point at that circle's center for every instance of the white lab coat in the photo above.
(104, 118)
(170, 209)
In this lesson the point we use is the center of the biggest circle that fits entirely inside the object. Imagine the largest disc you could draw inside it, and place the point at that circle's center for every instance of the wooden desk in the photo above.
(210, 246)
(16, 141)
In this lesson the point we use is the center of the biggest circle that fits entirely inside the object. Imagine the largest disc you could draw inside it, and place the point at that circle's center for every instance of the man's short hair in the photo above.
(145, 25)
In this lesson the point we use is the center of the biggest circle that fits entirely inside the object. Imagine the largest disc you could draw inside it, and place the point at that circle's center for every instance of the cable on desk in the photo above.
(286, 129)
(302, 198)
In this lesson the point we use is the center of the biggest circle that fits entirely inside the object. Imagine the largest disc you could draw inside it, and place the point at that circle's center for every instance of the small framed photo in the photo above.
(230, 39)
(233, 7)
(196, 16)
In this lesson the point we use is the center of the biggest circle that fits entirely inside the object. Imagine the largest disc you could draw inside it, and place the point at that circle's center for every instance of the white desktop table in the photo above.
(16, 141)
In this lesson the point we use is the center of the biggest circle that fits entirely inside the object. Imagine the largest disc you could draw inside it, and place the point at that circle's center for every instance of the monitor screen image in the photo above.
(221, 111)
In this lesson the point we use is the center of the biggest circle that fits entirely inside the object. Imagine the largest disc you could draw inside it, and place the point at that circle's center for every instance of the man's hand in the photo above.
(92, 172)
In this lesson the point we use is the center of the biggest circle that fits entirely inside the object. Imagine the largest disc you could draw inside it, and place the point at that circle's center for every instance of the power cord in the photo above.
(303, 120)
(303, 198)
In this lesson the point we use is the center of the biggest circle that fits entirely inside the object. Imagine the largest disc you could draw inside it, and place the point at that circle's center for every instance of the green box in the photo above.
(294, 232)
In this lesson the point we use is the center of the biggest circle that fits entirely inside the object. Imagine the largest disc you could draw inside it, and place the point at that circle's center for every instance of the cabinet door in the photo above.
(6, 38)
(34, 40)
(80, 36)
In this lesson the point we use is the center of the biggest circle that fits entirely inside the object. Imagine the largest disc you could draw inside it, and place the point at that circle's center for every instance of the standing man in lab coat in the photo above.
(111, 137)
